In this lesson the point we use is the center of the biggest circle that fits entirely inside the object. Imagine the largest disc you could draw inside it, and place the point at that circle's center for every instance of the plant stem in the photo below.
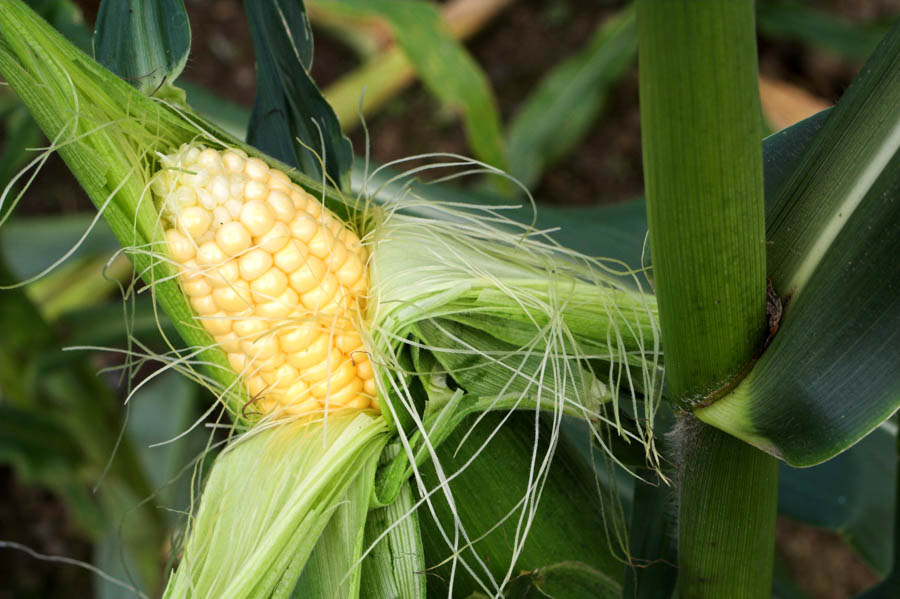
(727, 506)
(703, 175)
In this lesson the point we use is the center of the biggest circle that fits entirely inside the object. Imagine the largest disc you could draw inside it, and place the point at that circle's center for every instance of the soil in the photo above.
(819, 562)
(35, 518)
(606, 168)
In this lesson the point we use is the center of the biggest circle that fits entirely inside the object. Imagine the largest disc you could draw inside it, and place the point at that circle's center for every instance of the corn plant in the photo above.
(396, 371)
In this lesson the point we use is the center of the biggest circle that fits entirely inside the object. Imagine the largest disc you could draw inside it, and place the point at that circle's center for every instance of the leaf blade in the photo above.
(289, 112)
(568, 99)
(446, 68)
(144, 42)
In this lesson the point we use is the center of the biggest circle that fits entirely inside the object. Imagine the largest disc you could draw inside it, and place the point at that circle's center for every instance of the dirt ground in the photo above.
(606, 168)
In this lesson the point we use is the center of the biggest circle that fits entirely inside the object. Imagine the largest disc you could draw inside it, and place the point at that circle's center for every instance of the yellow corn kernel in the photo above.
(273, 276)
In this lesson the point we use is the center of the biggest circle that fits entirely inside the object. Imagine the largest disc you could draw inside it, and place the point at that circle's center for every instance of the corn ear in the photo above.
(111, 137)
(275, 278)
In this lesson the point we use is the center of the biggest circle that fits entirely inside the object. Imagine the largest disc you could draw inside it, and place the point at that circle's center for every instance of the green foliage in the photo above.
(567, 101)
(852, 494)
(146, 43)
(653, 535)
(445, 67)
(798, 21)
(291, 120)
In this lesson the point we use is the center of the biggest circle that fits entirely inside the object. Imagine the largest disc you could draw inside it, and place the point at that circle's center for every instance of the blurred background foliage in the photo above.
(546, 90)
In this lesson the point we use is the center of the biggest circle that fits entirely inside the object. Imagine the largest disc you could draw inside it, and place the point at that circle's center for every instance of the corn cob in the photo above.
(277, 280)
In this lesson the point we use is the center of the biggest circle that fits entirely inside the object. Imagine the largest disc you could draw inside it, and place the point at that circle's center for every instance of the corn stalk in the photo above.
(703, 168)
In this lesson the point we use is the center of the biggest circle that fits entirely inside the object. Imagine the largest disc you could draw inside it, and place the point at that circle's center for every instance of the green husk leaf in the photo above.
(553, 313)
(334, 568)
(395, 564)
(508, 371)
(568, 99)
(145, 42)
(291, 477)
(291, 120)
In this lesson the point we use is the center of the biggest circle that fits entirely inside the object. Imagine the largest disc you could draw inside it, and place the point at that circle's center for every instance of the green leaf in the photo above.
(789, 19)
(163, 410)
(830, 372)
(830, 375)
(30, 244)
(887, 589)
(110, 324)
(25, 337)
(64, 433)
(569, 523)
(42, 452)
(157, 425)
(145, 42)
(568, 99)
(890, 586)
(654, 541)
(291, 120)
(852, 494)
(569, 580)
(445, 67)
(782, 153)
(857, 144)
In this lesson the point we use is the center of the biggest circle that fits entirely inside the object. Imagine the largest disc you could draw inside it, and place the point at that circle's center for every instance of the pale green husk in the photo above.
(268, 498)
